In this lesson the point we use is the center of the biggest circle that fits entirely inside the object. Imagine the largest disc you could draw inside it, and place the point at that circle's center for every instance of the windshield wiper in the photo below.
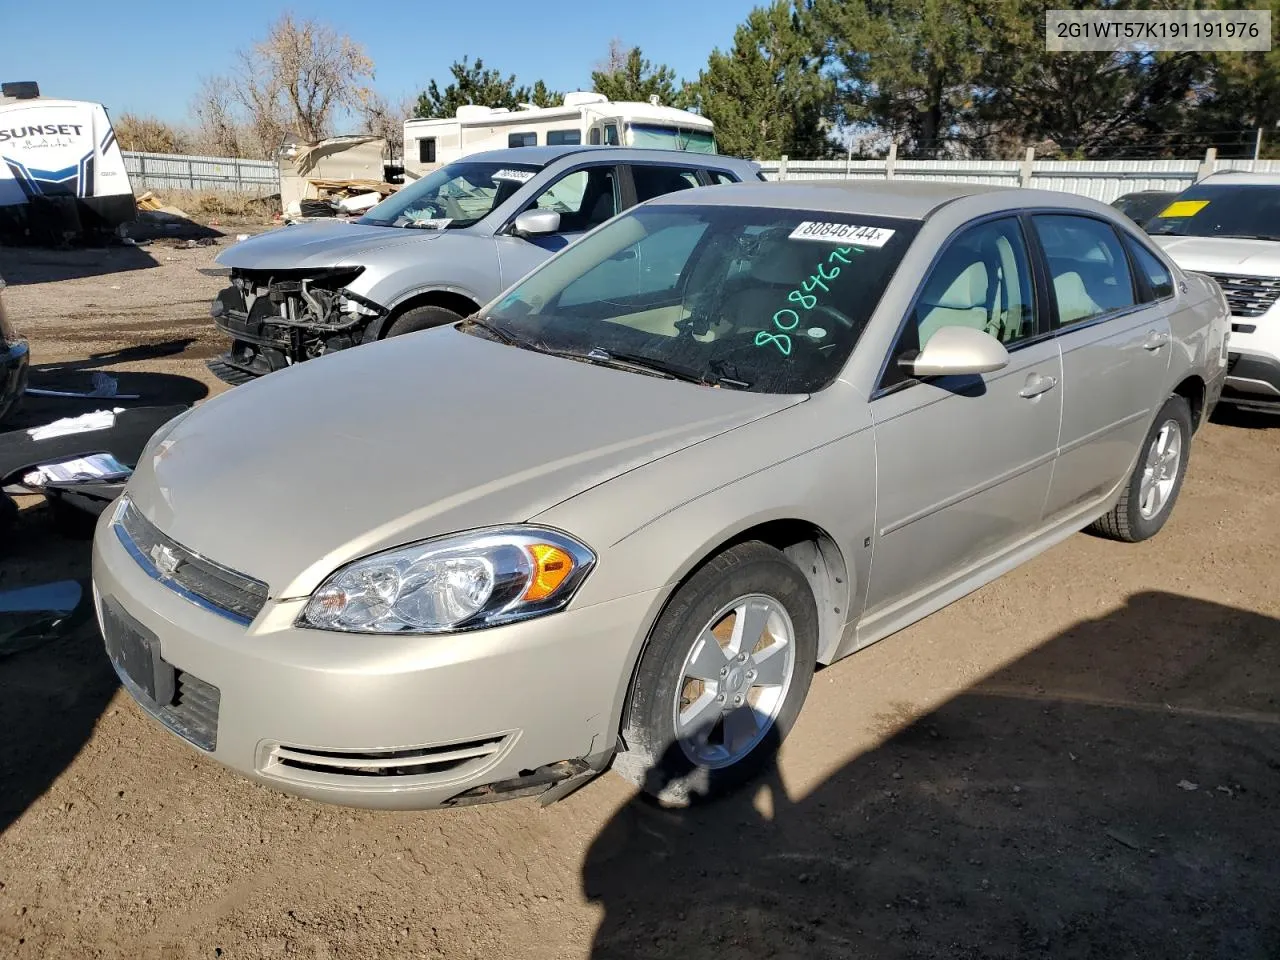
(1246, 236)
(660, 367)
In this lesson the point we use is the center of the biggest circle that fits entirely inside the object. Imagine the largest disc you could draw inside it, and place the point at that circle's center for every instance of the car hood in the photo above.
(1223, 254)
(292, 475)
(302, 245)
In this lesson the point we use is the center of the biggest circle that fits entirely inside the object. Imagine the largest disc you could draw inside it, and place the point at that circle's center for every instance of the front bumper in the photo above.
(1253, 380)
(386, 722)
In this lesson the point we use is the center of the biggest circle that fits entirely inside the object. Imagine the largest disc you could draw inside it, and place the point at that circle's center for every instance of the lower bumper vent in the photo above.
(447, 759)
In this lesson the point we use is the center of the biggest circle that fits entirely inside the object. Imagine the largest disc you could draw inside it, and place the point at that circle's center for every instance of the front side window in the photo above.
(654, 181)
(454, 196)
(584, 198)
(611, 135)
(1251, 211)
(427, 150)
(1088, 270)
(768, 300)
(981, 280)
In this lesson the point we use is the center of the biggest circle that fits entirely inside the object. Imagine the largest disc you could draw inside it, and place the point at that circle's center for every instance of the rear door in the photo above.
(1114, 333)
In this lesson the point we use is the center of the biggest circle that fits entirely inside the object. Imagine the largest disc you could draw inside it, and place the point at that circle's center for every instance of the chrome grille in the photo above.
(198, 579)
(1248, 296)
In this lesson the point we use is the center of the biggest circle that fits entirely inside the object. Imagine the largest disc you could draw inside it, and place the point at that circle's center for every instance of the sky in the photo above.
(148, 57)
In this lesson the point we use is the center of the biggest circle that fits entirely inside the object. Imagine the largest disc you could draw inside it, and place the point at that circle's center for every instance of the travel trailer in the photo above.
(583, 117)
(62, 169)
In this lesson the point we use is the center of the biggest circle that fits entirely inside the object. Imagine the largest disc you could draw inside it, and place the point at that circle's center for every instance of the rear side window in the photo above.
(1156, 273)
(719, 176)
(522, 139)
(1088, 270)
(427, 150)
(652, 181)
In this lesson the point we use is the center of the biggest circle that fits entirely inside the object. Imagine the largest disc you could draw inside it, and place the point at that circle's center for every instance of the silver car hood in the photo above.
(318, 245)
(294, 474)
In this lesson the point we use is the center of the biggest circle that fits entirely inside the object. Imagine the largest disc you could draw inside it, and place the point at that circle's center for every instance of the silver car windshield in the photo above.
(760, 299)
(454, 196)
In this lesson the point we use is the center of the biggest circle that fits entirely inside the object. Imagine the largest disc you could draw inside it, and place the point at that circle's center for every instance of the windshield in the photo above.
(1221, 210)
(767, 300)
(454, 196)
(659, 137)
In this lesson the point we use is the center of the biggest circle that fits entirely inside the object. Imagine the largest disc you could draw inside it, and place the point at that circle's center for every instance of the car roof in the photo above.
(1244, 177)
(543, 156)
(905, 199)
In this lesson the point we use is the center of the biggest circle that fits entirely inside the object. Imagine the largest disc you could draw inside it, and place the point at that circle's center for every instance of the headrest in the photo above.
(958, 281)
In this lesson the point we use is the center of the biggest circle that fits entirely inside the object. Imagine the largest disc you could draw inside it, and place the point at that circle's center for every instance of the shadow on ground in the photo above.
(52, 692)
(24, 265)
(1091, 800)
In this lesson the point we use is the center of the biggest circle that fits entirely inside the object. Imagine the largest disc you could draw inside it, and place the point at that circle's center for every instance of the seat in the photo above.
(1074, 302)
(955, 294)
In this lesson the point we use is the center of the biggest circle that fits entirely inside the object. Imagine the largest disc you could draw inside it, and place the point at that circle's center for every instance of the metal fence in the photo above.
(1100, 179)
(164, 171)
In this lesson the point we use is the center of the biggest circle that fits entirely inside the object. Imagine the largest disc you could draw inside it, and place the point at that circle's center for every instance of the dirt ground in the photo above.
(1080, 760)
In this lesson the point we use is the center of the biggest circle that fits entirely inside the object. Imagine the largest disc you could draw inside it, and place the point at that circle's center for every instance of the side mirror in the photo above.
(957, 351)
(534, 223)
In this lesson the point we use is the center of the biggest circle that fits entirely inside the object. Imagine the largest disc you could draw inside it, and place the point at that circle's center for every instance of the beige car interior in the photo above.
(979, 282)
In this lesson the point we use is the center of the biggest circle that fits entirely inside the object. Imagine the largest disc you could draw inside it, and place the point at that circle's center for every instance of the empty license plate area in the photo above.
(135, 651)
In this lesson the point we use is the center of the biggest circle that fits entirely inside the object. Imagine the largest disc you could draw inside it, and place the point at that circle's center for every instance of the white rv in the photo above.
(583, 117)
(59, 159)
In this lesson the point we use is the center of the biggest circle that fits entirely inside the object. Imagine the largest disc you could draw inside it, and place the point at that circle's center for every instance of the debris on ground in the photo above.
(1188, 785)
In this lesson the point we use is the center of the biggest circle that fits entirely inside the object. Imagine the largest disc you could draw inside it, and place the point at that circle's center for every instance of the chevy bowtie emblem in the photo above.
(165, 560)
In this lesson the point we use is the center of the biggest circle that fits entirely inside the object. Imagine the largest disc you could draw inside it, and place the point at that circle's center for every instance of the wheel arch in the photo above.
(811, 548)
(1193, 390)
(459, 302)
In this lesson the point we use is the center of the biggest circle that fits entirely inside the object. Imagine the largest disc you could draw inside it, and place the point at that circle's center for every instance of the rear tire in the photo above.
(1148, 498)
(422, 318)
(748, 623)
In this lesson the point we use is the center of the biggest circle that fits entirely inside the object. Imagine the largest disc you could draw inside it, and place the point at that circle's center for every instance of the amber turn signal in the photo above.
(551, 566)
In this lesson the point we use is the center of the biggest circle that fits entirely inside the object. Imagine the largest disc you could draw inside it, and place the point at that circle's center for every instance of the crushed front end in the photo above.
(277, 318)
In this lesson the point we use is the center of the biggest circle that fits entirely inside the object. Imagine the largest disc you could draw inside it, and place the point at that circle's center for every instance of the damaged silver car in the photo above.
(430, 253)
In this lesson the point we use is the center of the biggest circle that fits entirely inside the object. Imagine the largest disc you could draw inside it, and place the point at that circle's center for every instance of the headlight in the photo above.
(460, 582)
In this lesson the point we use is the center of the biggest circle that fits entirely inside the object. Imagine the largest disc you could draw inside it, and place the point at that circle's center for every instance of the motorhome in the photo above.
(62, 169)
(583, 117)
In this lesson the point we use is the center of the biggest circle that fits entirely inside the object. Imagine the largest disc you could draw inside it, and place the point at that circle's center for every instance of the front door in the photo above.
(1115, 338)
(963, 464)
(584, 198)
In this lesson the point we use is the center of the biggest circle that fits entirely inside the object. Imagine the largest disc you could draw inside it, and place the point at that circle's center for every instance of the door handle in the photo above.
(1155, 340)
(1036, 385)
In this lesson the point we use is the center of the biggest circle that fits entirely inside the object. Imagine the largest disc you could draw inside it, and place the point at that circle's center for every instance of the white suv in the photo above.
(1228, 227)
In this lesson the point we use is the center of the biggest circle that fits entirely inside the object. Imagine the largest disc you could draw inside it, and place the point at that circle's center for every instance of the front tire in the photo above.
(727, 668)
(422, 318)
(1147, 500)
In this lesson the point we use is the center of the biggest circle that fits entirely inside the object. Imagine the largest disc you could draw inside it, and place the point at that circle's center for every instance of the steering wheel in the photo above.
(833, 313)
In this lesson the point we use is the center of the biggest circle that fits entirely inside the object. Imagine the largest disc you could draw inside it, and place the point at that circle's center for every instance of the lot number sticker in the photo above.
(519, 176)
(842, 233)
